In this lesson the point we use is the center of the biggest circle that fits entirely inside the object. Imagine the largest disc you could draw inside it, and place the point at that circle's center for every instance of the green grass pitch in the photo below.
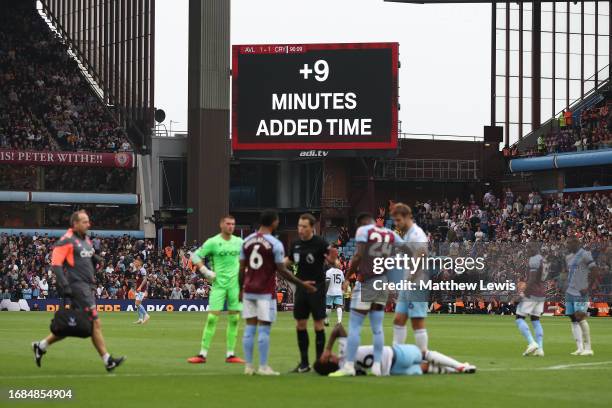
(156, 373)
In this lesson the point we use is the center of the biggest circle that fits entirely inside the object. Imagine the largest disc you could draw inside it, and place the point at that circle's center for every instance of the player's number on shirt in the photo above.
(337, 279)
(367, 361)
(255, 259)
(381, 245)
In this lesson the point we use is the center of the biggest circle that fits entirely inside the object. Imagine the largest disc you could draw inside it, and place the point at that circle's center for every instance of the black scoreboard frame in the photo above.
(314, 149)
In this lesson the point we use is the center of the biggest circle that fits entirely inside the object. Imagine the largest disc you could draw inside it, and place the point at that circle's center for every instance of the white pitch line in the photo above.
(580, 366)
(565, 366)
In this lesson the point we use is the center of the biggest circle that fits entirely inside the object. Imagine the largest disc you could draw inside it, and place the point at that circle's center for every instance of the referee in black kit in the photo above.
(309, 253)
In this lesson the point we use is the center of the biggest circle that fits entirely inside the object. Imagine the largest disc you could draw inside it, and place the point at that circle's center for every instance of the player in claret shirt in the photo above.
(532, 303)
(261, 258)
(142, 284)
(372, 242)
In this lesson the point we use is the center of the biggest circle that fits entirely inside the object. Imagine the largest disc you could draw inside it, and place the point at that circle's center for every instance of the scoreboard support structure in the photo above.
(208, 116)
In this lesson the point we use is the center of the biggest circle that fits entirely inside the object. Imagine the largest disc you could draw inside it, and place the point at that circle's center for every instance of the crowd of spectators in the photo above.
(45, 102)
(50, 215)
(498, 228)
(592, 131)
(25, 271)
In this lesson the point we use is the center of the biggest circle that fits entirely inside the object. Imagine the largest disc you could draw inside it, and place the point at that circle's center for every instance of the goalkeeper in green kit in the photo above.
(223, 250)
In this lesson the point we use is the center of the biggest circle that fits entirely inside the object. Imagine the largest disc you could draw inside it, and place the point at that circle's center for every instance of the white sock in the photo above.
(339, 313)
(229, 353)
(420, 339)
(43, 344)
(577, 333)
(438, 369)
(586, 334)
(440, 359)
(204, 353)
(377, 369)
(399, 334)
(105, 358)
(349, 365)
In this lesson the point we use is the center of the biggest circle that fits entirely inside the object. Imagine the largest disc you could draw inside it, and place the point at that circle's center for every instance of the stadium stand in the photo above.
(500, 225)
(25, 269)
(45, 103)
(66, 179)
(589, 128)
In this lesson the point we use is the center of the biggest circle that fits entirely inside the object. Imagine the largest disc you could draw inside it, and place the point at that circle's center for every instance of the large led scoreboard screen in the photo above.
(314, 99)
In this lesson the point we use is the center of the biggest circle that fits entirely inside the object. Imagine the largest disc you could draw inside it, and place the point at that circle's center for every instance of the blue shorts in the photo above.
(334, 300)
(575, 304)
(412, 309)
(407, 360)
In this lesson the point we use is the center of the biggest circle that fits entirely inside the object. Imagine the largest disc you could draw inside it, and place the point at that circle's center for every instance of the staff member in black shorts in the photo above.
(309, 253)
(74, 253)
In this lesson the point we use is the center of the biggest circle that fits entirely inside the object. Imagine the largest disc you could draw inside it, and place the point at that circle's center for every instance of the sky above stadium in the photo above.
(444, 52)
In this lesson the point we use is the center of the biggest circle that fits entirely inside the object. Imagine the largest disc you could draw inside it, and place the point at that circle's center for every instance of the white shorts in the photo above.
(530, 308)
(356, 302)
(140, 296)
(263, 307)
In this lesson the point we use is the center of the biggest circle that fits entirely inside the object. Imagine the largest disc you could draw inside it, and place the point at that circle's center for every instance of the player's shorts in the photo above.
(261, 306)
(529, 307)
(575, 304)
(140, 296)
(83, 298)
(364, 304)
(334, 300)
(406, 360)
(219, 294)
(414, 310)
(306, 303)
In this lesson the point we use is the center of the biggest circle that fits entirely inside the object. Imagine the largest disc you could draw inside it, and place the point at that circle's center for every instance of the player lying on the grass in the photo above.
(401, 359)
(532, 303)
(262, 257)
(223, 251)
(581, 277)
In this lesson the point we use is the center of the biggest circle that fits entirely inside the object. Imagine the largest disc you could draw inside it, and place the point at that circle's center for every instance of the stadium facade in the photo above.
(175, 187)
